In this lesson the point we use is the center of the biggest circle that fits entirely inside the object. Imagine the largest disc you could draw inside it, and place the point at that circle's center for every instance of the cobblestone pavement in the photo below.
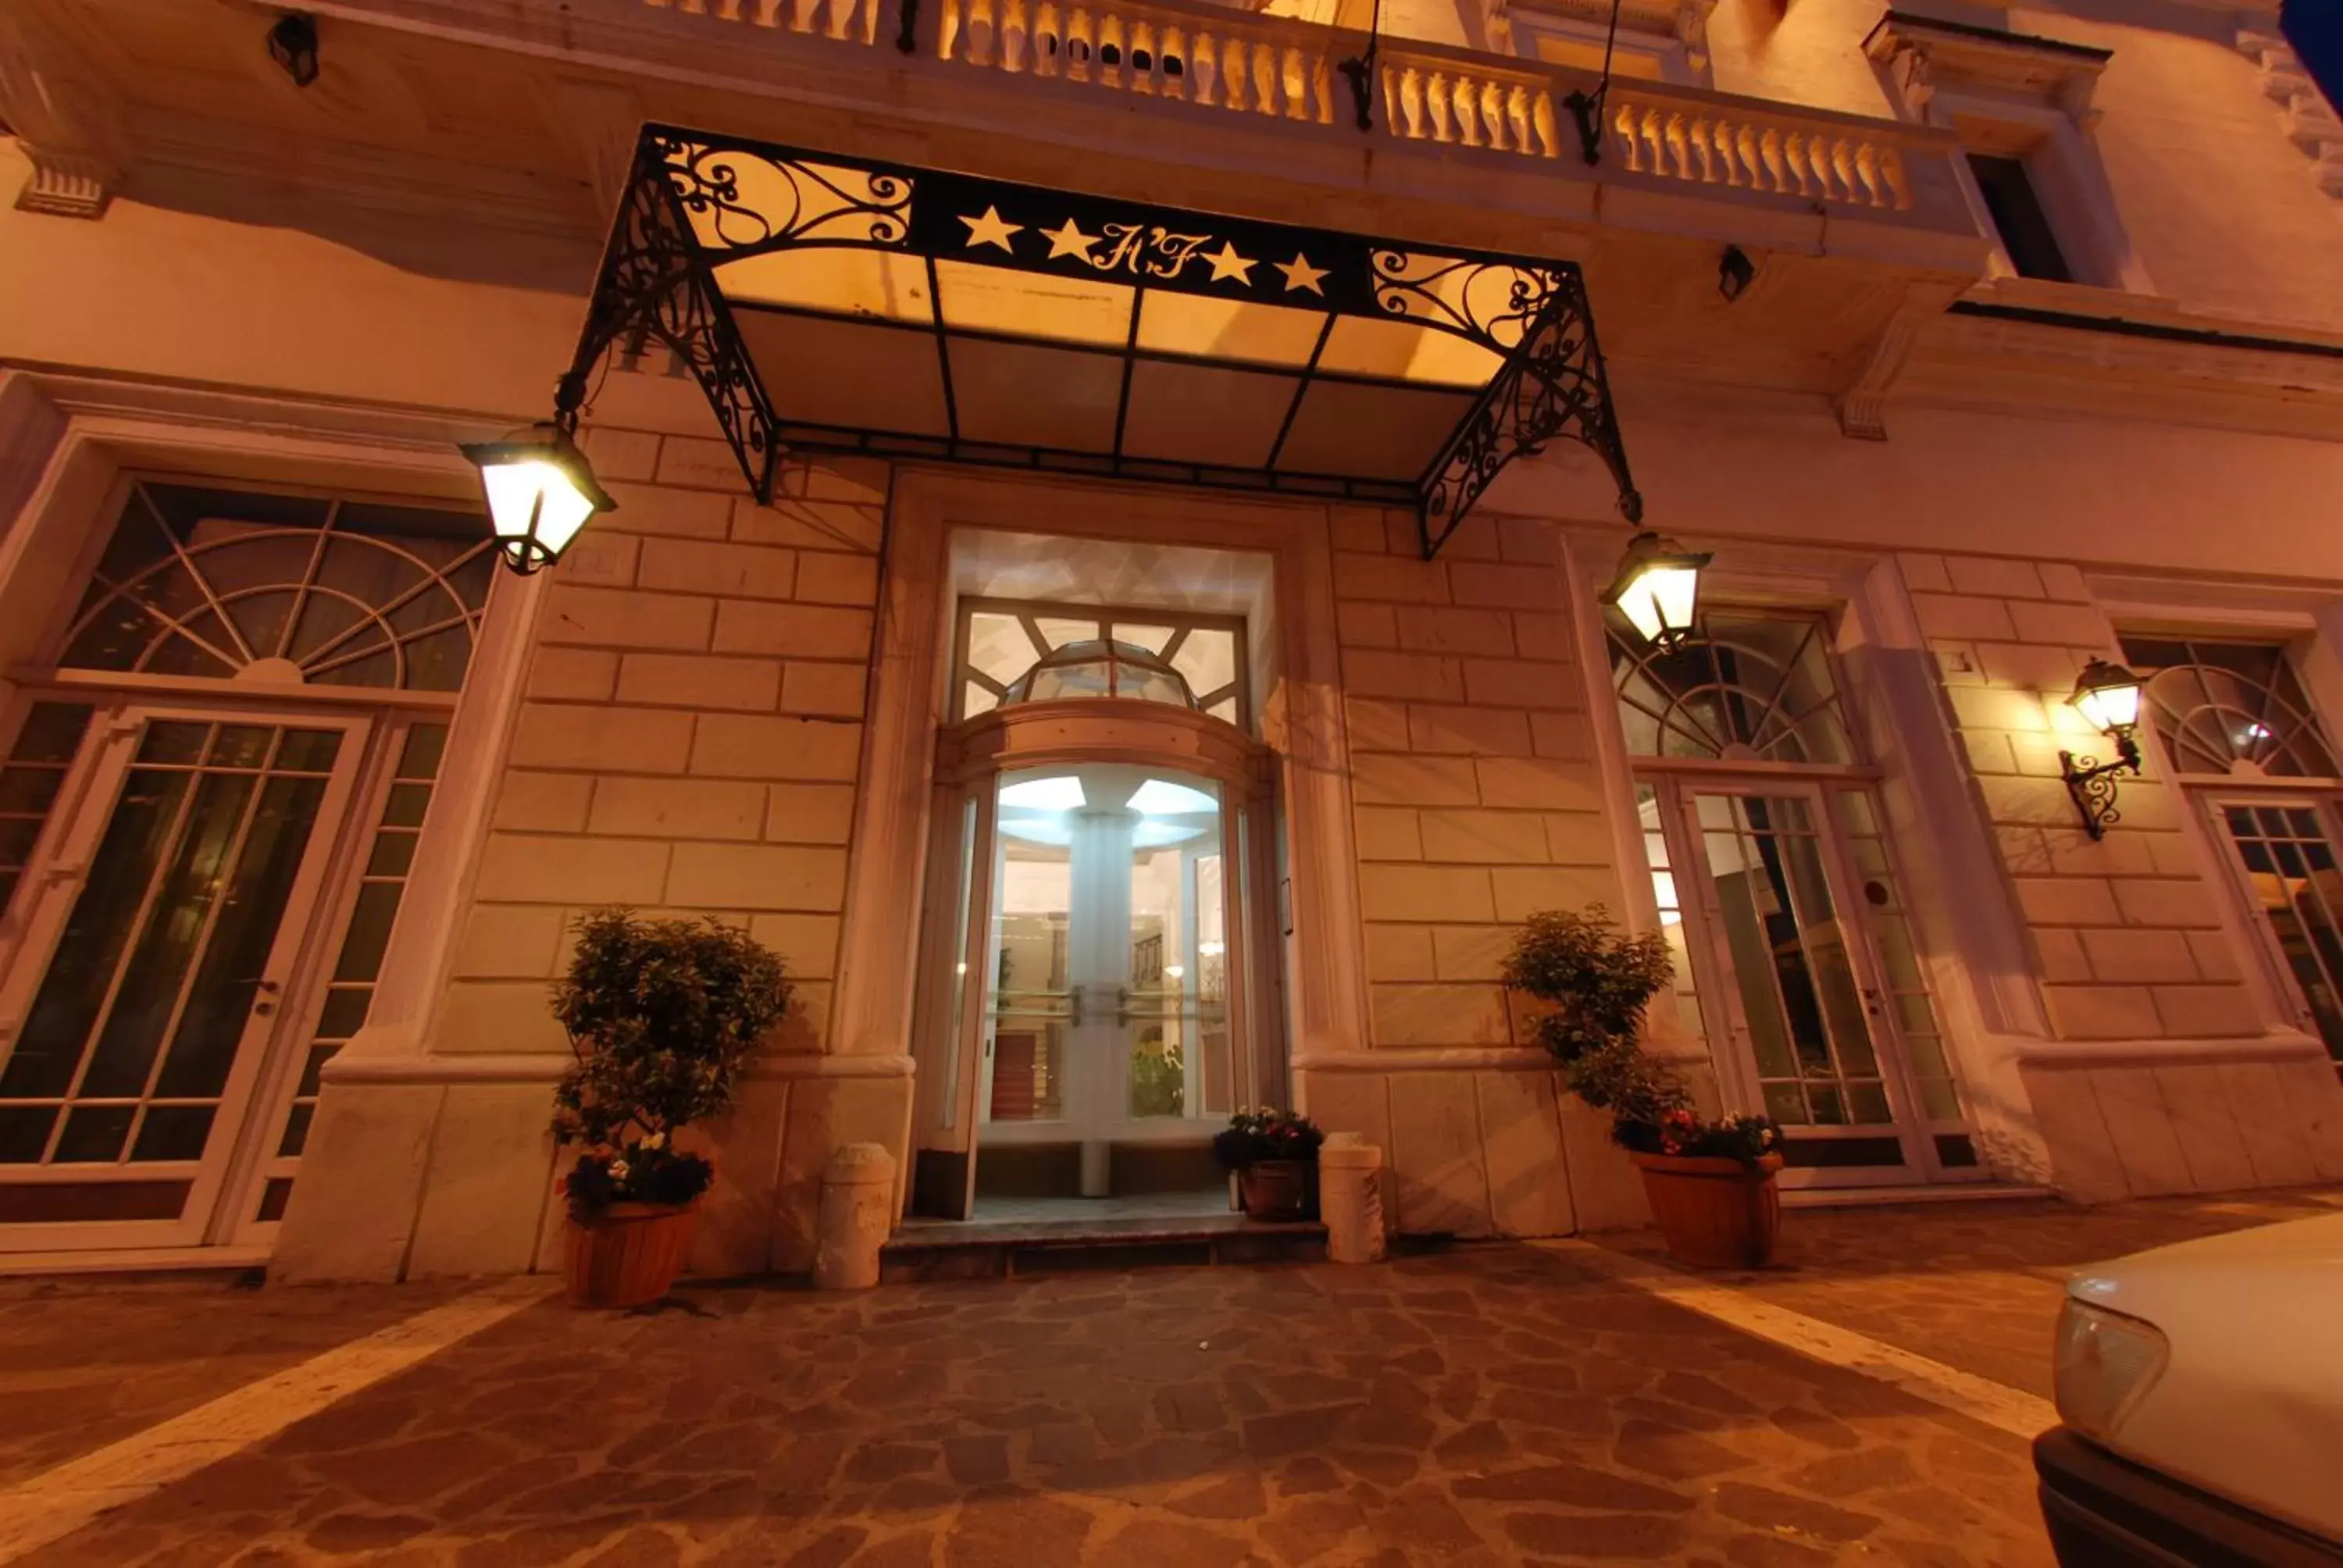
(1978, 1285)
(1499, 1404)
(87, 1361)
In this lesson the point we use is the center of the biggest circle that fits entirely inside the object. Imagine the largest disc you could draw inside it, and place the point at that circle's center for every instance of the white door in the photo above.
(947, 1021)
(1805, 964)
(156, 939)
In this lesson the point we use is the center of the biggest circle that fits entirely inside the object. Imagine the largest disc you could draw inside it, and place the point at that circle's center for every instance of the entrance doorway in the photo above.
(155, 958)
(1796, 938)
(1088, 1017)
(1785, 915)
(1105, 1015)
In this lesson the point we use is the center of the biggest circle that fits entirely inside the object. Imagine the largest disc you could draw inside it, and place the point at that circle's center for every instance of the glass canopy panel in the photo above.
(898, 311)
(1385, 432)
(1402, 351)
(849, 375)
(1231, 329)
(1206, 413)
(836, 281)
(1030, 394)
(1024, 305)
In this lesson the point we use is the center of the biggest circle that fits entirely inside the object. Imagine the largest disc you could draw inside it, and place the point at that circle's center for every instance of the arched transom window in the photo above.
(2230, 707)
(1013, 651)
(1746, 684)
(241, 584)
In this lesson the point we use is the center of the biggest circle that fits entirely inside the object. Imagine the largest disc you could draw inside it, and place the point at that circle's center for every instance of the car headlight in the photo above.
(2106, 1364)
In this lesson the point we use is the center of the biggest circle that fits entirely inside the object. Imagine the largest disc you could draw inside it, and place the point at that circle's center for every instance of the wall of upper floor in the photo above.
(2223, 212)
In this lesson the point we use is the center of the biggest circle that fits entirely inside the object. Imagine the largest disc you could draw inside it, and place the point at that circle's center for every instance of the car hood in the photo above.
(2250, 1404)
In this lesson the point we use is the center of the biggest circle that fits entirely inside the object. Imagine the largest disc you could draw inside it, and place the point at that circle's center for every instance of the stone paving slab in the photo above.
(87, 1361)
(1977, 1286)
(1494, 1405)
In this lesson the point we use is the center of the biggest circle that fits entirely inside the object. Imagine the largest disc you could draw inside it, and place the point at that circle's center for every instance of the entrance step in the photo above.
(976, 1250)
(1876, 1197)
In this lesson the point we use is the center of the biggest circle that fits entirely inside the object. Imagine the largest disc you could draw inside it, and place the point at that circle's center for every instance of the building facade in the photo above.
(1057, 671)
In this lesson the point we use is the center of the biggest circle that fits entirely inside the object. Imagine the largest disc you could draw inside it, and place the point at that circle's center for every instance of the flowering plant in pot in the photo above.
(1711, 1180)
(662, 1016)
(1274, 1155)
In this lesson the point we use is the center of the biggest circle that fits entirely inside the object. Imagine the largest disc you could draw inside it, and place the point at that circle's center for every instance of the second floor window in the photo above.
(2023, 226)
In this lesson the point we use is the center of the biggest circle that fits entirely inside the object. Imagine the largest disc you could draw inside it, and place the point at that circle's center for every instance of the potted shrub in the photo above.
(662, 1016)
(1711, 1182)
(1275, 1154)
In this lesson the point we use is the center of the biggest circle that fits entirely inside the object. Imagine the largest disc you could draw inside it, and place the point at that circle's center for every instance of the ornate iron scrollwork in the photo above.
(1552, 385)
(655, 281)
(2091, 784)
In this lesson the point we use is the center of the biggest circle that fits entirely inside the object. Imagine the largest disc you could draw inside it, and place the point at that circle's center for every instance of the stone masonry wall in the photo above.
(2126, 932)
(1476, 804)
(686, 745)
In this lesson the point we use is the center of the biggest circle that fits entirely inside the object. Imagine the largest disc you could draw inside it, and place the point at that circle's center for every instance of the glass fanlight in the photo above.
(1657, 587)
(542, 491)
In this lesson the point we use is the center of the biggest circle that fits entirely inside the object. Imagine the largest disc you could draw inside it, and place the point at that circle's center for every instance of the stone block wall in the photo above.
(2127, 932)
(1475, 804)
(687, 744)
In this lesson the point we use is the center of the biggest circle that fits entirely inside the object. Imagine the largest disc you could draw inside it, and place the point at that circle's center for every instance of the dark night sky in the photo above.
(2316, 27)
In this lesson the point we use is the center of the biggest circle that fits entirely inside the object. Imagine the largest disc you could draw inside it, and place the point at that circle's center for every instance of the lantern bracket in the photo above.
(2091, 784)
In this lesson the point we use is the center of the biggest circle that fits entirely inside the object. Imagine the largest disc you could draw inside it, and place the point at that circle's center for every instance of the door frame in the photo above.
(54, 882)
(1717, 988)
(970, 759)
(2205, 797)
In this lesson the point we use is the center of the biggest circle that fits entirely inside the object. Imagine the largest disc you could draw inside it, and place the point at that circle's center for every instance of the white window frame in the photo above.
(2007, 99)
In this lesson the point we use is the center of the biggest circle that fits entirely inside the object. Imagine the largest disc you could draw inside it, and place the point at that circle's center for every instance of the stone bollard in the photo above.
(1351, 1198)
(858, 1202)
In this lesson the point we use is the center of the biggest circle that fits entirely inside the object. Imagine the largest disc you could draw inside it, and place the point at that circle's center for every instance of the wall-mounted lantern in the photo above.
(2108, 697)
(541, 491)
(1657, 587)
(292, 45)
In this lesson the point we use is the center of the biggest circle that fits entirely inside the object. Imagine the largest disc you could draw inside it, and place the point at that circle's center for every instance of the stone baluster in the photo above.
(1891, 168)
(1492, 115)
(1049, 40)
(1264, 79)
(1548, 131)
(1145, 61)
(949, 22)
(1081, 43)
(980, 32)
(1113, 49)
(1174, 62)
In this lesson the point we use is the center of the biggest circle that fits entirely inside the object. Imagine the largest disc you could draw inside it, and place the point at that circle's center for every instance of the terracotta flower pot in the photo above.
(1278, 1190)
(1716, 1213)
(632, 1254)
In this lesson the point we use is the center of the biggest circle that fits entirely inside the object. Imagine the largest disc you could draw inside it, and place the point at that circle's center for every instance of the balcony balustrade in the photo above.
(1656, 137)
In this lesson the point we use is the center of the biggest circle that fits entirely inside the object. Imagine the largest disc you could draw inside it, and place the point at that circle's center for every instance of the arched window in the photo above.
(1012, 652)
(2231, 709)
(238, 584)
(1746, 684)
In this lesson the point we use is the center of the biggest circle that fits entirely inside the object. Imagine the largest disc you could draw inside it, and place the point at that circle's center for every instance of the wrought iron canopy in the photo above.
(838, 304)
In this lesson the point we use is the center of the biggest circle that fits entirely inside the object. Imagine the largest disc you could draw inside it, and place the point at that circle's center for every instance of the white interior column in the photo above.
(1097, 971)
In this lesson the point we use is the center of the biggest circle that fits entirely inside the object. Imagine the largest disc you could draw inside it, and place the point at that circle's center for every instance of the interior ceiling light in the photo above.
(1162, 798)
(1063, 793)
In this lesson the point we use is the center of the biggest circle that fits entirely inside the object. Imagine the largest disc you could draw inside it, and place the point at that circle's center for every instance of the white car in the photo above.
(2200, 1392)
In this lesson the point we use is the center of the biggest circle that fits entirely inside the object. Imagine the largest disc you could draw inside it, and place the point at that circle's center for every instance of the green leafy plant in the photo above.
(1594, 980)
(1596, 983)
(662, 1015)
(1253, 1136)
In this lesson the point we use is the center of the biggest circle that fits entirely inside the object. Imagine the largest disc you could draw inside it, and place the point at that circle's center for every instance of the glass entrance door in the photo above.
(160, 937)
(1804, 960)
(1105, 1010)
